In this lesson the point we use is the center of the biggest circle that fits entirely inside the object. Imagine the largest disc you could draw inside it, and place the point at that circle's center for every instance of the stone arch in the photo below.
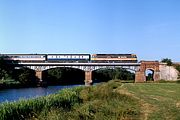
(149, 73)
(152, 65)
(63, 75)
(103, 76)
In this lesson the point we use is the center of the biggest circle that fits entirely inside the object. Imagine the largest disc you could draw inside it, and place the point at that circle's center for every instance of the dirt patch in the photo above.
(178, 104)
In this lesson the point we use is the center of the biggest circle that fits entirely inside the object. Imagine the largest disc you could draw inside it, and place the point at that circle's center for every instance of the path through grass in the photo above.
(159, 101)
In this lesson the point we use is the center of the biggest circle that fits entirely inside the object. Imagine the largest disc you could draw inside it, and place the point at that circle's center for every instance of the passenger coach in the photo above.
(25, 57)
(68, 57)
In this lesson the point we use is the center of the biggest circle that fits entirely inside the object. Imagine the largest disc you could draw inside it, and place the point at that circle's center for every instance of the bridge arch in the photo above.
(87, 67)
(147, 65)
(63, 75)
(149, 74)
(106, 74)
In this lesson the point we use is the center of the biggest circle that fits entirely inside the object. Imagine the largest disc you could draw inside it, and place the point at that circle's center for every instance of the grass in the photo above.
(100, 102)
(107, 101)
(31, 108)
(159, 101)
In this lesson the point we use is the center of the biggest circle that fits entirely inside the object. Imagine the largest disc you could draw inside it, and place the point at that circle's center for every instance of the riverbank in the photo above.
(96, 102)
(12, 84)
(112, 100)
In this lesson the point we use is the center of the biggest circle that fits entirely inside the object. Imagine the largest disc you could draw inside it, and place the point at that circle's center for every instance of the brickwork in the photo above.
(88, 78)
(39, 75)
(147, 65)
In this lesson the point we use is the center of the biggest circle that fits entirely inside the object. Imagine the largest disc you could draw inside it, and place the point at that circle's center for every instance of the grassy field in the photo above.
(159, 101)
(106, 101)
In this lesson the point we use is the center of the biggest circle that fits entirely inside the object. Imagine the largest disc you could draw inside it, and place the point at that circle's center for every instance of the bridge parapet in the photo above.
(82, 66)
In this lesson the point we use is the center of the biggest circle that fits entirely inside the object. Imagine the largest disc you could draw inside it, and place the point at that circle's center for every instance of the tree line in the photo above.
(9, 76)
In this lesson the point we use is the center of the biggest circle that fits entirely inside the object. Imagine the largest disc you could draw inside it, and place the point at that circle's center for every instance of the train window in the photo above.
(49, 56)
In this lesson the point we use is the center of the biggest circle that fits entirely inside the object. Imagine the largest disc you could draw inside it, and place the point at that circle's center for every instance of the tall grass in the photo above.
(100, 102)
(32, 107)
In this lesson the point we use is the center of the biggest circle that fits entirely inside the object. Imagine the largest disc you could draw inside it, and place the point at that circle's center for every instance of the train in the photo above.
(70, 58)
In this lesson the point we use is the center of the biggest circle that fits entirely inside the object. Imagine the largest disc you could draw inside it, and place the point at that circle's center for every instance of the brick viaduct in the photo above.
(160, 70)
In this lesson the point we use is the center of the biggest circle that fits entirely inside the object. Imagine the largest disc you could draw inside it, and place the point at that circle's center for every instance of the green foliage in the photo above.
(167, 60)
(177, 66)
(25, 76)
(31, 108)
(64, 76)
(109, 74)
(5, 69)
(101, 102)
(149, 77)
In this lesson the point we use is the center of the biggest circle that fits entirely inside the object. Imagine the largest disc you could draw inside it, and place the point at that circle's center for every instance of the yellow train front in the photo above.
(114, 58)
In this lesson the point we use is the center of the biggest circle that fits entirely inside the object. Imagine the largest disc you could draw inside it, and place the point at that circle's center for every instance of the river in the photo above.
(26, 93)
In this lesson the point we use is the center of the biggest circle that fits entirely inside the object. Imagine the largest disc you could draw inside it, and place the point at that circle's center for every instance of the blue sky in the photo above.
(148, 28)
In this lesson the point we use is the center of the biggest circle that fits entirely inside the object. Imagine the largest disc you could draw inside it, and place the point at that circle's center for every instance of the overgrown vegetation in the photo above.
(167, 60)
(82, 103)
(6, 70)
(12, 78)
(177, 66)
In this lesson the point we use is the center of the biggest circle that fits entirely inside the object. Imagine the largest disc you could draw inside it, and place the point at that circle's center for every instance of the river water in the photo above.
(25, 93)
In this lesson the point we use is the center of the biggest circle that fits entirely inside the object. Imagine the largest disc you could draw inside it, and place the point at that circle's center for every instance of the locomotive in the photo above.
(113, 58)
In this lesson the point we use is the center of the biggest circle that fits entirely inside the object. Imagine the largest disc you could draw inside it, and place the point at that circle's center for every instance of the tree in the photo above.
(167, 60)
(5, 69)
(26, 76)
(64, 76)
(109, 74)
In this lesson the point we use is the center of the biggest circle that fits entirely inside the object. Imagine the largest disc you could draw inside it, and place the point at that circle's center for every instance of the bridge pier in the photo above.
(140, 76)
(156, 76)
(88, 78)
(39, 76)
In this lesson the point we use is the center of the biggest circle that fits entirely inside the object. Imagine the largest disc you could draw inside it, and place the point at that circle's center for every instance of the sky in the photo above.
(148, 28)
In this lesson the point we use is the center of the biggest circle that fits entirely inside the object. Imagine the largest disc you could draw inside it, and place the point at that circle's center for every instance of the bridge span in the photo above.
(138, 68)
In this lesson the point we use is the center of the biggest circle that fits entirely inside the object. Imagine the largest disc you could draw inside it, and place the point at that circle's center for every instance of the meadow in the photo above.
(113, 100)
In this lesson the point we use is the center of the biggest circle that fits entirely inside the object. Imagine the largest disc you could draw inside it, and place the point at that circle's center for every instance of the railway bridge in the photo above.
(138, 68)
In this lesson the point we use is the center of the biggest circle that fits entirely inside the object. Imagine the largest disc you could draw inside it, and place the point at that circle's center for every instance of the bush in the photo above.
(167, 60)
